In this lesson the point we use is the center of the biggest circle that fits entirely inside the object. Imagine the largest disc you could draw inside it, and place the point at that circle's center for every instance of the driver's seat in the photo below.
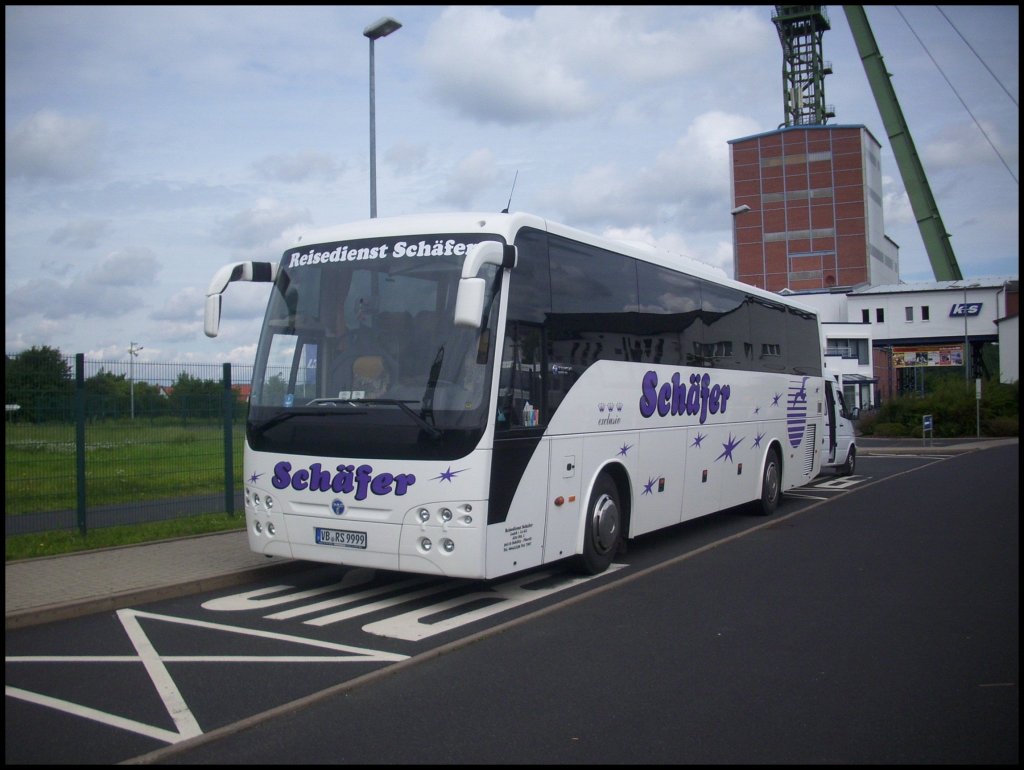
(370, 374)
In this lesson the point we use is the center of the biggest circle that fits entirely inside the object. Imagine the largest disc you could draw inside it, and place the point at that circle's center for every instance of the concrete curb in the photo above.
(922, 446)
(75, 609)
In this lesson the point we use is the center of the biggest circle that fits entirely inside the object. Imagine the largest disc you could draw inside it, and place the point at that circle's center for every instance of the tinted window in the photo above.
(594, 304)
(804, 351)
(585, 279)
(768, 334)
(530, 286)
(726, 332)
(670, 315)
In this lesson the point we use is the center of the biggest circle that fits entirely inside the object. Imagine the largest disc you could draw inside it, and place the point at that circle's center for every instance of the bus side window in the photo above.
(522, 374)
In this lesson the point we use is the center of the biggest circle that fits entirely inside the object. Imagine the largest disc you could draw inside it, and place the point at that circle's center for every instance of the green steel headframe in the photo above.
(926, 210)
(800, 29)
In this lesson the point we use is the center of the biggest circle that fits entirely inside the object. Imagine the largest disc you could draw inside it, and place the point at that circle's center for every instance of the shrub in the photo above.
(890, 430)
(954, 410)
(1000, 426)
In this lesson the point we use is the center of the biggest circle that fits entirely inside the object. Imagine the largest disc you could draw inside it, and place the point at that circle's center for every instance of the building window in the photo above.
(924, 312)
(880, 315)
(910, 313)
(849, 348)
(865, 316)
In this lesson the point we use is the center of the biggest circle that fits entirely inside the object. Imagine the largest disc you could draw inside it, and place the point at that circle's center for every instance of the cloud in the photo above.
(494, 68)
(83, 234)
(966, 144)
(687, 183)
(102, 292)
(126, 267)
(260, 225)
(50, 146)
(472, 174)
(406, 157)
(567, 62)
(299, 167)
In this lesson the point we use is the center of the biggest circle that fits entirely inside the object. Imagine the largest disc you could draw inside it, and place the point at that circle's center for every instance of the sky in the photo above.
(146, 147)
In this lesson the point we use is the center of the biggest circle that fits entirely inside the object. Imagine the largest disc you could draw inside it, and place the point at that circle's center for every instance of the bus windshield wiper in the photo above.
(427, 405)
(404, 406)
(280, 417)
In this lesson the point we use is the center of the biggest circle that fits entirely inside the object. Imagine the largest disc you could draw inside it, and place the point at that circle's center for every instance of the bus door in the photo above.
(565, 506)
(831, 415)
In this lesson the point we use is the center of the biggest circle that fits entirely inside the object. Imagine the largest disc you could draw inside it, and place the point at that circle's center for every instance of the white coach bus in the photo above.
(473, 395)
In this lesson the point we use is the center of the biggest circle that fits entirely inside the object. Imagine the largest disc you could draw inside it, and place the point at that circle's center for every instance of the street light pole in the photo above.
(967, 358)
(379, 29)
(741, 209)
(132, 352)
(967, 342)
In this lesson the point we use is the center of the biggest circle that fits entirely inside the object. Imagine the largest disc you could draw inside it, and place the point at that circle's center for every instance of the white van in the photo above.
(841, 450)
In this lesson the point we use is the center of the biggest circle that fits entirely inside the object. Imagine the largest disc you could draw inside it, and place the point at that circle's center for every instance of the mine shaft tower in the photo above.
(800, 29)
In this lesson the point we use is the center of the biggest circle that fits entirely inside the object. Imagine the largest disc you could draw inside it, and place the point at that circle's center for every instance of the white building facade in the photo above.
(876, 337)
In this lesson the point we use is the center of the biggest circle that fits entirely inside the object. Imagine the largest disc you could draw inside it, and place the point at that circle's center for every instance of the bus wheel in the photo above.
(603, 531)
(771, 485)
(851, 463)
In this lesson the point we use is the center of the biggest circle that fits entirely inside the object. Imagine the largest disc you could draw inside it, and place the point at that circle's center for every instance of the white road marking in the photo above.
(167, 689)
(416, 624)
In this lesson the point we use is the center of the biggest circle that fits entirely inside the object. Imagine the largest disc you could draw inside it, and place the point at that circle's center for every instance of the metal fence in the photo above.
(92, 444)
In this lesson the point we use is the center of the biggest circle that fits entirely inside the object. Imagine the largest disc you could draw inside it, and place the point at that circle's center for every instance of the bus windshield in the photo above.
(359, 356)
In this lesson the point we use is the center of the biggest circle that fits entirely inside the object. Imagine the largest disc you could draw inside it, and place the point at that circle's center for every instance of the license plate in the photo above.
(341, 538)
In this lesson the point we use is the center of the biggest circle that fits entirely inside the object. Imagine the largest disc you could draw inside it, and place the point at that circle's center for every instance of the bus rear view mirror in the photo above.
(257, 272)
(469, 303)
(211, 315)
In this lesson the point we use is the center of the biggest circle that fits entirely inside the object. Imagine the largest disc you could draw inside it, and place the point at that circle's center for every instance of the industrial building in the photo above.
(808, 220)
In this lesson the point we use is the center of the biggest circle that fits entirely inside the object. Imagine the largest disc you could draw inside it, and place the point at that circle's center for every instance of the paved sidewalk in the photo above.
(59, 587)
(867, 445)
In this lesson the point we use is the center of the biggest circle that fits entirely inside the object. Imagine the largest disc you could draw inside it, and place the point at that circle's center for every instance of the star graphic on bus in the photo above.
(757, 439)
(448, 475)
(254, 478)
(729, 446)
(775, 399)
(698, 439)
(649, 487)
(625, 449)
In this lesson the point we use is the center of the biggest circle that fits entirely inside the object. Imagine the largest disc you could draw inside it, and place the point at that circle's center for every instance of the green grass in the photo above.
(69, 541)
(125, 461)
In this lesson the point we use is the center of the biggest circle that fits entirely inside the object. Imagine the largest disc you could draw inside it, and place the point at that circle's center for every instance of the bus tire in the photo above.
(850, 465)
(771, 484)
(602, 534)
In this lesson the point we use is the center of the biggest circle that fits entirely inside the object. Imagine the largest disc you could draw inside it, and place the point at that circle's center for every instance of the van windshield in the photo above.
(359, 355)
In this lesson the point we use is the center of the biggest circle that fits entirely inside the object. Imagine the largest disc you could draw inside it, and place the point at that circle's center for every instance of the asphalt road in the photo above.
(880, 627)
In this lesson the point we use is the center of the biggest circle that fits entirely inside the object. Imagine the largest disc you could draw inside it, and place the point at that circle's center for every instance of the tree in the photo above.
(107, 394)
(40, 381)
(193, 397)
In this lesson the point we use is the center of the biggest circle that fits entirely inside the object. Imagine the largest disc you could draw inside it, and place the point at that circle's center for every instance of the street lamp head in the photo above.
(381, 28)
(740, 210)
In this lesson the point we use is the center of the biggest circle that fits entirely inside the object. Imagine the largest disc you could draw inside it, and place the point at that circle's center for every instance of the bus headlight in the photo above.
(425, 543)
(447, 545)
(424, 514)
(446, 514)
